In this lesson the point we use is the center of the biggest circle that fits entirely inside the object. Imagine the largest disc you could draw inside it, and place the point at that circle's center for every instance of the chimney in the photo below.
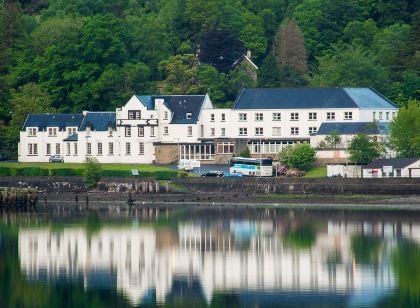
(248, 54)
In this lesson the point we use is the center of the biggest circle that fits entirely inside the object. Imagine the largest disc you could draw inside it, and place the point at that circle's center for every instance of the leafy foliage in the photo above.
(92, 172)
(299, 156)
(363, 149)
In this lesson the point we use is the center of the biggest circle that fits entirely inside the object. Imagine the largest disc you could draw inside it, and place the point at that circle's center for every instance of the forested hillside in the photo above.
(74, 55)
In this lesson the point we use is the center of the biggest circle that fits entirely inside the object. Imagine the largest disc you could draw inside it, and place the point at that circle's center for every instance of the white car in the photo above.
(56, 159)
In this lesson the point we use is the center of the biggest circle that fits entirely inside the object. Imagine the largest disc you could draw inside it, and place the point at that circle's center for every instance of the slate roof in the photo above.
(394, 162)
(73, 137)
(304, 98)
(61, 120)
(179, 105)
(99, 121)
(353, 128)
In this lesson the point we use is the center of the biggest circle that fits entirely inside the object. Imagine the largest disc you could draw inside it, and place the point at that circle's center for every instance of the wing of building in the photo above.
(165, 128)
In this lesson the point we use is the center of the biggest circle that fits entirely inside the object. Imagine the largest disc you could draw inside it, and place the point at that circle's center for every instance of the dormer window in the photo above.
(52, 131)
(110, 131)
(71, 130)
(188, 115)
(32, 132)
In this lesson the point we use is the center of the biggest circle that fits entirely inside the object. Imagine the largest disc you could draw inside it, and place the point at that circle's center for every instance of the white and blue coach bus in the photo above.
(251, 166)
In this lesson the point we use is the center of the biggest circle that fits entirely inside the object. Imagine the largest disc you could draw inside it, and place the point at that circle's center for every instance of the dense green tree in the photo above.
(405, 130)
(360, 32)
(299, 156)
(268, 74)
(252, 34)
(363, 149)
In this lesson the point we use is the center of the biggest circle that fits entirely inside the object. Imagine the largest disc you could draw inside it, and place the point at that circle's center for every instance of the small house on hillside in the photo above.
(394, 167)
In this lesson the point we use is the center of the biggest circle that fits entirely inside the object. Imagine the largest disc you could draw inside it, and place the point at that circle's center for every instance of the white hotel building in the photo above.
(162, 129)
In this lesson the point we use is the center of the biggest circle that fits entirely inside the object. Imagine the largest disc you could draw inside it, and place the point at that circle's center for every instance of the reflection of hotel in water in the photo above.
(242, 255)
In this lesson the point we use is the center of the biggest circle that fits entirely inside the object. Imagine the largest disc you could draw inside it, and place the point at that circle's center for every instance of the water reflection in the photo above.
(223, 259)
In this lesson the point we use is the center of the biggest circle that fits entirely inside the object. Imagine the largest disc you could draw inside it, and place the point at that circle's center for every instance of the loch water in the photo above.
(210, 257)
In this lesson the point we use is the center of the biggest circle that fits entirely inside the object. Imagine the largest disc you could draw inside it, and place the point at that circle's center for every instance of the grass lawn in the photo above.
(129, 167)
(317, 172)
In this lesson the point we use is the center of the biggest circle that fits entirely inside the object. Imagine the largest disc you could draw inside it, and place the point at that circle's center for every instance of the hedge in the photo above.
(4, 171)
(30, 171)
(66, 172)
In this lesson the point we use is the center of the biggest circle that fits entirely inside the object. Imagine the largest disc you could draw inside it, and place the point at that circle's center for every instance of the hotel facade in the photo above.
(165, 128)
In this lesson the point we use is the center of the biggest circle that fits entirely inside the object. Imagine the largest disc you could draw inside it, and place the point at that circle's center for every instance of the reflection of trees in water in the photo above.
(303, 237)
(366, 248)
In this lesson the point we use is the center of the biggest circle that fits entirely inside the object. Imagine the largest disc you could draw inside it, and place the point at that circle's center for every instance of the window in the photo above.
(128, 131)
(348, 115)
(134, 114)
(141, 148)
(88, 129)
(330, 115)
(223, 117)
(33, 149)
(48, 148)
(110, 148)
(294, 130)
(243, 131)
(68, 148)
(259, 117)
(88, 148)
(312, 130)
(127, 148)
(110, 131)
(276, 116)
(223, 133)
(387, 115)
(141, 131)
(99, 148)
(312, 116)
(165, 115)
(71, 130)
(75, 149)
(276, 131)
(188, 115)
(242, 117)
(152, 131)
(57, 148)
(259, 131)
(190, 131)
(212, 131)
(393, 114)
(225, 148)
(374, 115)
(32, 132)
(212, 117)
(52, 131)
(380, 115)
(165, 130)
(294, 116)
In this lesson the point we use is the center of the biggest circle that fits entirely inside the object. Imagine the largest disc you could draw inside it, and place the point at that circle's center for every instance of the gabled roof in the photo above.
(305, 98)
(394, 162)
(179, 105)
(73, 137)
(61, 120)
(353, 128)
(98, 121)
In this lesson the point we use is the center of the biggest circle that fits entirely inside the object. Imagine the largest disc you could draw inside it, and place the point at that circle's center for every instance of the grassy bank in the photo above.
(317, 172)
(73, 169)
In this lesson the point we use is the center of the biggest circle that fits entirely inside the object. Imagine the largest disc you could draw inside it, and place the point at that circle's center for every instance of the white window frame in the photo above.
(189, 131)
(212, 131)
(141, 131)
(127, 148)
(259, 117)
(223, 117)
(312, 130)
(243, 131)
(330, 116)
(152, 131)
(88, 148)
(110, 149)
(212, 117)
(127, 131)
(223, 132)
(348, 115)
(100, 150)
(276, 116)
(259, 131)
(294, 131)
(312, 116)
(276, 131)
(243, 117)
(48, 149)
(141, 148)
(166, 130)
(58, 149)
(294, 116)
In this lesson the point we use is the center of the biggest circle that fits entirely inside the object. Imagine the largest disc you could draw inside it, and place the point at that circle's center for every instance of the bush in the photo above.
(245, 153)
(116, 173)
(66, 172)
(4, 171)
(92, 172)
(31, 171)
(299, 156)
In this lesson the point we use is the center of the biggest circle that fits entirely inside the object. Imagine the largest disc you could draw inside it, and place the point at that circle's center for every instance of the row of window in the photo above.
(294, 116)
(128, 131)
(52, 131)
(276, 131)
(222, 117)
(268, 147)
(111, 148)
(381, 115)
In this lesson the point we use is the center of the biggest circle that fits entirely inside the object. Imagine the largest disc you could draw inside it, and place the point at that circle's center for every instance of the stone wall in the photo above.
(166, 154)
(387, 186)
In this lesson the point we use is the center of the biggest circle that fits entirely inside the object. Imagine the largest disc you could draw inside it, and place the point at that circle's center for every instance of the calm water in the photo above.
(210, 257)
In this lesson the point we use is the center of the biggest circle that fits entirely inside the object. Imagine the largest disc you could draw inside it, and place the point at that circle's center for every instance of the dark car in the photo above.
(56, 159)
(2, 157)
(217, 174)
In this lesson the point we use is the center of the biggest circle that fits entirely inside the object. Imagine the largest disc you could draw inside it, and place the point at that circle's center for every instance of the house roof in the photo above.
(61, 120)
(394, 162)
(99, 121)
(179, 105)
(73, 137)
(353, 128)
(305, 98)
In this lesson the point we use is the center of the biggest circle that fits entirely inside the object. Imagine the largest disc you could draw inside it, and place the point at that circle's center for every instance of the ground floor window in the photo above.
(269, 147)
(75, 149)
(225, 148)
(127, 148)
(197, 151)
(111, 148)
(68, 146)
(48, 148)
(99, 148)
(88, 148)
(57, 149)
(141, 148)
(32, 149)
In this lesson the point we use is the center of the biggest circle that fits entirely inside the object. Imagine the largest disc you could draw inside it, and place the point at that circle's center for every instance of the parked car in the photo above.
(56, 159)
(2, 157)
(217, 174)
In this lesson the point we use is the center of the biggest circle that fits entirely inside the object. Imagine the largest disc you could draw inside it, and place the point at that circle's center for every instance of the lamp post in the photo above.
(260, 156)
